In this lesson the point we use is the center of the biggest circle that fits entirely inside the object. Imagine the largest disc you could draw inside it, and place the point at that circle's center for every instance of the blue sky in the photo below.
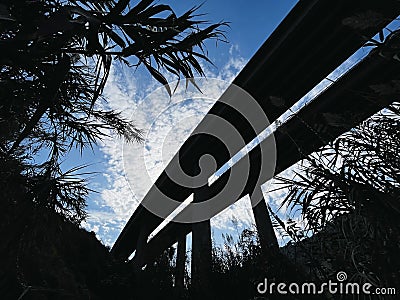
(251, 22)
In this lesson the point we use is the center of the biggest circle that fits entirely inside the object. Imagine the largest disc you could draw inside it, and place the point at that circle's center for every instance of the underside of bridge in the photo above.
(312, 41)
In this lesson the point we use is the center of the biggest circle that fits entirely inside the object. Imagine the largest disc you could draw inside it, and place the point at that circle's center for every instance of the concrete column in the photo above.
(139, 258)
(180, 264)
(201, 253)
(266, 233)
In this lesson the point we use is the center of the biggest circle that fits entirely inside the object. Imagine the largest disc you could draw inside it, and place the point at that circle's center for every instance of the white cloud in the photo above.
(240, 211)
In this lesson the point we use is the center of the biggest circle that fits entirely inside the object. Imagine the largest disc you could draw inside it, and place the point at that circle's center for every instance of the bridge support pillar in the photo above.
(201, 253)
(180, 264)
(265, 230)
(139, 259)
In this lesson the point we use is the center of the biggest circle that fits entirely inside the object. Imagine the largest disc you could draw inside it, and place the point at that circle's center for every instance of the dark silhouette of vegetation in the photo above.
(56, 57)
(348, 194)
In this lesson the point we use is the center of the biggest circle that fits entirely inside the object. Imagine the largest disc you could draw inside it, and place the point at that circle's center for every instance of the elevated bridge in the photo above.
(313, 40)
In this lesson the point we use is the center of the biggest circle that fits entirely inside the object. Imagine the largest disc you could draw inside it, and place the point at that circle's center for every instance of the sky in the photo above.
(130, 91)
(126, 172)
